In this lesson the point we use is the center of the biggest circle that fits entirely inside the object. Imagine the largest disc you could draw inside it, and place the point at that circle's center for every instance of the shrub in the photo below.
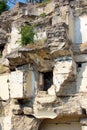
(3, 6)
(43, 15)
(27, 35)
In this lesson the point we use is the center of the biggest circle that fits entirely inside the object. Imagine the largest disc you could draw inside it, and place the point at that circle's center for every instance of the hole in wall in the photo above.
(48, 80)
(79, 65)
(84, 111)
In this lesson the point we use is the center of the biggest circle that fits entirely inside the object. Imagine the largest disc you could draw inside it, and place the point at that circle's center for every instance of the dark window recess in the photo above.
(71, 0)
(1, 50)
(48, 80)
(79, 65)
(84, 111)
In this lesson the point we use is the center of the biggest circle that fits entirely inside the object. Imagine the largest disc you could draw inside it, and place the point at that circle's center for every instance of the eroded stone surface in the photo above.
(46, 80)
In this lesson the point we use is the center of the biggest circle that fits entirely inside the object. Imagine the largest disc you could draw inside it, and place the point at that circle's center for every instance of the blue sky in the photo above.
(11, 5)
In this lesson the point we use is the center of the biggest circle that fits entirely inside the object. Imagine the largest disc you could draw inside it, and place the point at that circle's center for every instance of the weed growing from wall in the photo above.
(27, 34)
(43, 15)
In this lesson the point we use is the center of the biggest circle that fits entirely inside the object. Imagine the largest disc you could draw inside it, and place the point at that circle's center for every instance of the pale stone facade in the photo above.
(43, 86)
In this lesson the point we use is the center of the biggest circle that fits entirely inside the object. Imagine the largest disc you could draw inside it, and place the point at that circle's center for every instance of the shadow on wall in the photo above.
(0, 127)
(77, 31)
(80, 31)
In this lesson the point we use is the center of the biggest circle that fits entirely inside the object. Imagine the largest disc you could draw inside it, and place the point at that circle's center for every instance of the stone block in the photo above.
(35, 11)
(55, 20)
(65, 67)
(80, 29)
(16, 84)
(84, 127)
(22, 84)
(27, 110)
(4, 86)
(81, 58)
(49, 8)
(51, 90)
(17, 110)
(83, 121)
(81, 85)
(41, 114)
(15, 39)
(64, 71)
(40, 36)
(82, 71)
(7, 123)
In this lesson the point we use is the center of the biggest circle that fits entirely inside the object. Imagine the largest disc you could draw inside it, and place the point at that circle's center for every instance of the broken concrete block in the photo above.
(51, 90)
(7, 123)
(55, 20)
(22, 84)
(27, 110)
(81, 85)
(49, 8)
(81, 81)
(64, 71)
(82, 71)
(83, 121)
(40, 36)
(15, 41)
(4, 86)
(45, 114)
(84, 127)
(81, 58)
(17, 110)
(80, 29)
(16, 84)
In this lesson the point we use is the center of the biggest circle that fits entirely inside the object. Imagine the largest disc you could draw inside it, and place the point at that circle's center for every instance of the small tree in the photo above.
(27, 35)
(3, 6)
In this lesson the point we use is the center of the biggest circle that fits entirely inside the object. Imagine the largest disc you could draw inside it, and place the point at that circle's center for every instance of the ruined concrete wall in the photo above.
(43, 85)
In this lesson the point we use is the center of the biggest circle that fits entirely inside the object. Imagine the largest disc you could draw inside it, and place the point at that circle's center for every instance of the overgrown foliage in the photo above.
(3, 6)
(27, 34)
(43, 15)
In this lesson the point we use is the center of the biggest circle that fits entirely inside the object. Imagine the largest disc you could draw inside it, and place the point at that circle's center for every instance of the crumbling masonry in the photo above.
(44, 86)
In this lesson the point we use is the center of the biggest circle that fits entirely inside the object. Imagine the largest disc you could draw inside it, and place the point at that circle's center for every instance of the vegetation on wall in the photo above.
(27, 34)
(0, 55)
(43, 15)
(3, 6)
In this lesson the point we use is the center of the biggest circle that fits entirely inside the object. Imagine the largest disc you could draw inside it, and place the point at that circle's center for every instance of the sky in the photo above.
(11, 5)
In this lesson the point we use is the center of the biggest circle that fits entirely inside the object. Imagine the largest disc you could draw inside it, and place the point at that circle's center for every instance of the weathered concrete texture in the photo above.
(25, 123)
(64, 71)
(4, 86)
(15, 39)
(46, 80)
(7, 123)
(3, 37)
(57, 38)
(66, 126)
(81, 78)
